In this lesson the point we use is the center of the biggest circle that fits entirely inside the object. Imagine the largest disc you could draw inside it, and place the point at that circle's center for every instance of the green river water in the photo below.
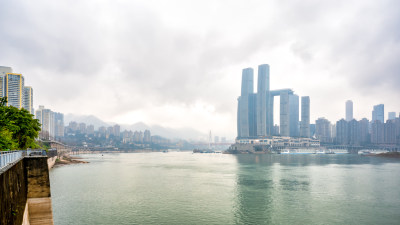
(186, 188)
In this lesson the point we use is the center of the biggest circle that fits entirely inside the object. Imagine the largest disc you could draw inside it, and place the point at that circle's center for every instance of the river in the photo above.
(186, 188)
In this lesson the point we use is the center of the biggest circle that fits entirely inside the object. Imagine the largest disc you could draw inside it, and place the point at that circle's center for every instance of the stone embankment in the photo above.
(388, 155)
(25, 192)
(66, 160)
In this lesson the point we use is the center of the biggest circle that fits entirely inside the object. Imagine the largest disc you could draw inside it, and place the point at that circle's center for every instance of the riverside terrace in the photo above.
(25, 187)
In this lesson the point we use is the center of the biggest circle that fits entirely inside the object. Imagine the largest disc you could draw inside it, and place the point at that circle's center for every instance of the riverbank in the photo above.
(67, 160)
(388, 155)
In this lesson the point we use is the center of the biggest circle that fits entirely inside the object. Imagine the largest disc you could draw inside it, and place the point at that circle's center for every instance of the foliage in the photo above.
(6, 140)
(18, 128)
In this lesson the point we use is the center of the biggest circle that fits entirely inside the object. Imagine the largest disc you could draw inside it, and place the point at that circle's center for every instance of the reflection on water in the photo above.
(185, 188)
(316, 189)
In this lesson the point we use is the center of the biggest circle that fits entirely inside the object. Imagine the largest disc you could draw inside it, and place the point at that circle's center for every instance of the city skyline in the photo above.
(157, 64)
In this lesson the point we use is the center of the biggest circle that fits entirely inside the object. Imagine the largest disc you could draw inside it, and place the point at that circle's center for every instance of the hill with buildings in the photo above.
(167, 132)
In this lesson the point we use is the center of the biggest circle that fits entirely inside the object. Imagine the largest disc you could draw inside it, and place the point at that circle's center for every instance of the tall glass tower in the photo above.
(305, 117)
(263, 100)
(378, 113)
(244, 112)
(349, 110)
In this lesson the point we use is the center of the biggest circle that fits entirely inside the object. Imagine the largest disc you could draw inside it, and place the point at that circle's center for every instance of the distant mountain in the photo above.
(88, 119)
(171, 133)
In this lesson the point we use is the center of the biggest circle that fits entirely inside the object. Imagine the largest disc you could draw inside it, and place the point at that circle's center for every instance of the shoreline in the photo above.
(395, 155)
(68, 160)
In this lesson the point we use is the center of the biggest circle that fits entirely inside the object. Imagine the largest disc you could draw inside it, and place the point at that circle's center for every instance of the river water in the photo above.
(186, 188)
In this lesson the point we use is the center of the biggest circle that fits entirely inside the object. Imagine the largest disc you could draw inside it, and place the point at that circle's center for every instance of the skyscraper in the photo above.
(305, 117)
(323, 130)
(255, 112)
(253, 115)
(391, 115)
(59, 124)
(294, 115)
(349, 110)
(243, 103)
(378, 113)
(364, 131)
(342, 132)
(147, 136)
(377, 132)
(13, 89)
(284, 114)
(28, 99)
(3, 71)
(2, 78)
(262, 100)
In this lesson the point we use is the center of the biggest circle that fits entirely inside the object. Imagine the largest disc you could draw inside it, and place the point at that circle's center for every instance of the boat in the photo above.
(340, 151)
(203, 151)
(298, 151)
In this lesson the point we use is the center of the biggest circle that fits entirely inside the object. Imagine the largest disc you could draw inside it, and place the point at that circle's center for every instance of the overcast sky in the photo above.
(178, 63)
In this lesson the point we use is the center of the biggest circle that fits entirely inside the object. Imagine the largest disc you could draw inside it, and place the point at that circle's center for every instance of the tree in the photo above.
(20, 125)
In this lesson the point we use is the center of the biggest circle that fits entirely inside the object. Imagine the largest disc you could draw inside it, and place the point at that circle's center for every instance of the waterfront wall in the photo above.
(37, 174)
(25, 192)
(13, 193)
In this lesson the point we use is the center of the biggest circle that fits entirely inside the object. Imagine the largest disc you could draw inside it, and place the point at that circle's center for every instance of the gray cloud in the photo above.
(133, 57)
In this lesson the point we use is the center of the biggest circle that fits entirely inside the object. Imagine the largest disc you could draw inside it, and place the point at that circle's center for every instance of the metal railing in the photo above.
(36, 153)
(8, 157)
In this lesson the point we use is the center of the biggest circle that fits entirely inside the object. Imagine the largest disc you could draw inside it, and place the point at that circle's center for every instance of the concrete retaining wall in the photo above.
(25, 192)
(13, 193)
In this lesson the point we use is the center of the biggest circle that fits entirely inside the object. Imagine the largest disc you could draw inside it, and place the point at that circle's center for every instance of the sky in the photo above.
(178, 63)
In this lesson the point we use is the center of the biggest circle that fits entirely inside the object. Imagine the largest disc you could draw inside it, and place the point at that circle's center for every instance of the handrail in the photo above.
(8, 157)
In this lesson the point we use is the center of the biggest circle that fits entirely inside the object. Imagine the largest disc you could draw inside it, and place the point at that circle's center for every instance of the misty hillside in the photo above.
(171, 133)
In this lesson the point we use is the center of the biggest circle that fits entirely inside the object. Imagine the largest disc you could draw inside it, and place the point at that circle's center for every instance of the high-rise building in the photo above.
(252, 115)
(391, 115)
(59, 124)
(377, 132)
(390, 134)
(45, 133)
(73, 126)
(117, 130)
(2, 78)
(52, 123)
(284, 114)
(138, 137)
(90, 129)
(28, 99)
(82, 128)
(305, 117)
(294, 115)
(354, 132)
(102, 131)
(378, 113)
(349, 110)
(364, 131)
(323, 130)
(3, 71)
(333, 131)
(342, 132)
(255, 112)
(263, 100)
(243, 103)
(147, 136)
(13, 89)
